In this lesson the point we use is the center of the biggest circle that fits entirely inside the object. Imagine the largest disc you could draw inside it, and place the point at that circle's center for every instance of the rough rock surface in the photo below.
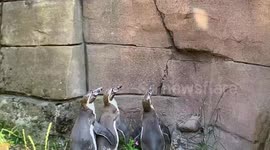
(133, 67)
(192, 124)
(134, 22)
(187, 78)
(220, 139)
(191, 50)
(44, 22)
(247, 97)
(237, 29)
(179, 108)
(27, 113)
(186, 141)
(262, 134)
(34, 115)
(239, 107)
(48, 72)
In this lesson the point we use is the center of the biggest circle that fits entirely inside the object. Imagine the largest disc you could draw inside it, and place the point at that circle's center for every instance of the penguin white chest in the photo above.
(114, 103)
(93, 136)
(92, 107)
(116, 133)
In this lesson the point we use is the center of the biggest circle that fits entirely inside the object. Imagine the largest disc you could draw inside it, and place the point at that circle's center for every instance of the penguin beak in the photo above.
(97, 91)
(149, 93)
(93, 94)
(116, 89)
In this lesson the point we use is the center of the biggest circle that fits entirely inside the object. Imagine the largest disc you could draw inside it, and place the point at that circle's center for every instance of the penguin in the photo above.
(85, 129)
(151, 137)
(109, 119)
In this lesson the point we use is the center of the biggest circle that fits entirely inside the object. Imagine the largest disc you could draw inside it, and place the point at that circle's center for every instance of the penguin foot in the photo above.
(191, 125)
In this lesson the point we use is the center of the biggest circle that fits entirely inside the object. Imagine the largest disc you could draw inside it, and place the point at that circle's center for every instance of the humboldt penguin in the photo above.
(83, 134)
(151, 137)
(109, 119)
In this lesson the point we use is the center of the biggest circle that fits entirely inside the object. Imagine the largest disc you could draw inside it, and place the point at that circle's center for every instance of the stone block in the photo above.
(237, 29)
(246, 99)
(133, 67)
(50, 72)
(134, 22)
(220, 139)
(187, 78)
(240, 106)
(42, 22)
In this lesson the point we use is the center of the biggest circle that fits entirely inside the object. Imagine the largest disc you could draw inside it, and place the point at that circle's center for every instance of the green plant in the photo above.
(2, 138)
(32, 142)
(12, 136)
(203, 146)
(47, 136)
(131, 145)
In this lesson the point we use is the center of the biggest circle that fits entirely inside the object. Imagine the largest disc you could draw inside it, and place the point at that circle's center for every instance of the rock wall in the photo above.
(211, 54)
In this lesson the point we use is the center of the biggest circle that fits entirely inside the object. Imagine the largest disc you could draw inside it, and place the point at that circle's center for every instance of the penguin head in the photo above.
(110, 104)
(109, 96)
(147, 104)
(88, 100)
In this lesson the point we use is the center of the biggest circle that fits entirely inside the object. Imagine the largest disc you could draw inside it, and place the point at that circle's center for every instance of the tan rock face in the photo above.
(240, 106)
(236, 29)
(179, 108)
(247, 97)
(42, 22)
(124, 22)
(49, 72)
(224, 140)
(133, 67)
(187, 78)
(262, 134)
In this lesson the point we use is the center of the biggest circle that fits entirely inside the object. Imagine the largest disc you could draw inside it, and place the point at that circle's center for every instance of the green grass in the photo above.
(19, 139)
(203, 146)
(10, 135)
(127, 146)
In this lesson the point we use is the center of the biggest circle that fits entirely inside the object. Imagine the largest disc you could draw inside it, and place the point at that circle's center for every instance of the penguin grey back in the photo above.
(108, 119)
(151, 134)
(82, 135)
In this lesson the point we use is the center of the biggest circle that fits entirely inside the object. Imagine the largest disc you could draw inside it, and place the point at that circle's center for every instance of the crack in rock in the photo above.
(168, 31)
(165, 75)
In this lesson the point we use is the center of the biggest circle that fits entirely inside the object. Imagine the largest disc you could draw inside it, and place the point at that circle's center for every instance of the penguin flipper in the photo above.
(122, 134)
(106, 133)
(166, 133)
(122, 129)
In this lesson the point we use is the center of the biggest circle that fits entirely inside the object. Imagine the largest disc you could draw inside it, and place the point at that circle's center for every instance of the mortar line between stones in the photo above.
(190, 51)
(38, 98)
(44, 99)
(13, 0)
(253, 64)
(42, 45)
(84, 48)
(125, 45)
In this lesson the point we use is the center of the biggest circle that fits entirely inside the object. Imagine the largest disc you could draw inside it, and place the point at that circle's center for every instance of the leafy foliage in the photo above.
(18, 139)
(131, 145)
